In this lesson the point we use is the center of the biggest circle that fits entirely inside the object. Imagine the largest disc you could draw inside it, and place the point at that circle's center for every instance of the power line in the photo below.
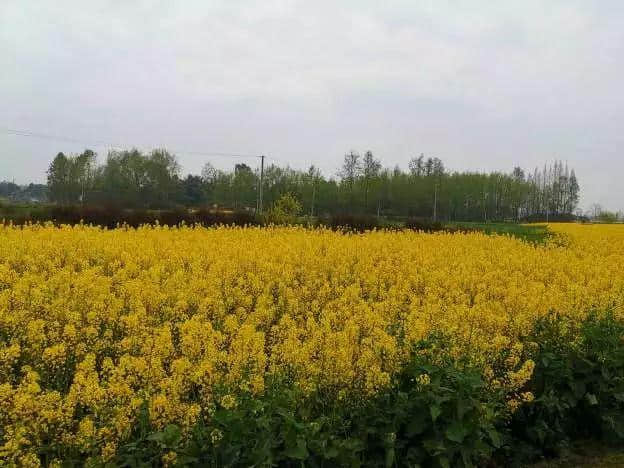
(273, 158)
(45, 136)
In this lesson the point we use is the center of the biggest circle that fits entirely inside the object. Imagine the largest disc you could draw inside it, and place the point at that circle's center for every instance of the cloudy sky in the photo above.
(483, 85)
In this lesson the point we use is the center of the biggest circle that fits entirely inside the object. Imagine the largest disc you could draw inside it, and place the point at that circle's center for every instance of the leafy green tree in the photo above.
(83, 173)
(192, 191)
(244, 187)
(312, 180)
(59, 179)
(162, 171)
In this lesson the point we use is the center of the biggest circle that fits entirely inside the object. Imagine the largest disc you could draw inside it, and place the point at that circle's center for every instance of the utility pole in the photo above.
(484, 207)
(313, 197)
(261, 184)
(435, 202)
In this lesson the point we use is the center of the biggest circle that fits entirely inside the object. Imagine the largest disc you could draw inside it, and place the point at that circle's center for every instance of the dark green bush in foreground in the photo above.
(578, 383)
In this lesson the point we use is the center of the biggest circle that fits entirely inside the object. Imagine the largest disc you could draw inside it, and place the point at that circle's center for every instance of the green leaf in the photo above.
(591, 398)
(298, 451)
(156, 437)
(168, 437)
(457, 432)
(389, 457)
(495, 438)
(579, 388)
(463, 406)
(434, 446)
(541, 434)
(415, 427)
(331, 452)
(435, 412)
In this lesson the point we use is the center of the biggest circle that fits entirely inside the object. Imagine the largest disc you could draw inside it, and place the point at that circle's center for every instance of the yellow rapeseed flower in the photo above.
(98, 324)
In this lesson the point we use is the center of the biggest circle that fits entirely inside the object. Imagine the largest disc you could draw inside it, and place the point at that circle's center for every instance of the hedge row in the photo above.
(111, 217)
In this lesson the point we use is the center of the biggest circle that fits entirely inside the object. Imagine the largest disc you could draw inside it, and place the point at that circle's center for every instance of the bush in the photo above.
(426, 225)
(552, 218)
(578, 384)
(207, 217)
(285, 210)
(175, 217)
(111, 216)
(351, 222)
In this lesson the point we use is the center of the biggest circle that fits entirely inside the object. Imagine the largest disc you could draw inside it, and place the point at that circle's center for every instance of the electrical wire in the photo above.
(31, 134)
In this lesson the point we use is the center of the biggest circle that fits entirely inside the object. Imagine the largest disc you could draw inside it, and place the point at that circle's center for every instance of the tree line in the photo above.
(427, 189)
(23, 193)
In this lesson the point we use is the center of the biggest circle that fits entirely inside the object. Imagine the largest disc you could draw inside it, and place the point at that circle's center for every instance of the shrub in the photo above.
(112, 216)
(208, 217)
(175, 217)
(351, 222)
(285, 210)
(578, 384)
(420, 224)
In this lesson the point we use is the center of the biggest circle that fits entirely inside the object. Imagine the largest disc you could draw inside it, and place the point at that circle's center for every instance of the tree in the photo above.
(133, 179)
(209, 178)
(517, 191)
(125, 181)
(244, 186)
(208, 174)
(58, 178)
(607, 217)
(83, 173)
(595, 210)
(573, 192)
(370, 172)
(416, 166)
(428, 168)
(437, 167)
(162, 171)
(192, 191)
(284, 211)
(8, 189)
(349, 173)
(130, 178)
(313, 177)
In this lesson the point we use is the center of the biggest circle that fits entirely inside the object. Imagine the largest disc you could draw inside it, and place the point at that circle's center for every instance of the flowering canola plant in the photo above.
(97, 324)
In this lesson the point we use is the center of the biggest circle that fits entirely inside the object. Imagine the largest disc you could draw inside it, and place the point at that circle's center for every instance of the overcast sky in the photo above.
(482, 85)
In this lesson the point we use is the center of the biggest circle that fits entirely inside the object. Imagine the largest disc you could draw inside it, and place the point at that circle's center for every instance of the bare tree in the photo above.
(350, 171)
(370, 172)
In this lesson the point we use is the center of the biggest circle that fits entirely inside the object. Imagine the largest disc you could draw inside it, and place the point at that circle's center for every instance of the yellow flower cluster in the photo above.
(97, 324)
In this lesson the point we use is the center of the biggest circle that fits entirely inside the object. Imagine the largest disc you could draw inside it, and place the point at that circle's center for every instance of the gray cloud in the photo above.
(483, 85)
